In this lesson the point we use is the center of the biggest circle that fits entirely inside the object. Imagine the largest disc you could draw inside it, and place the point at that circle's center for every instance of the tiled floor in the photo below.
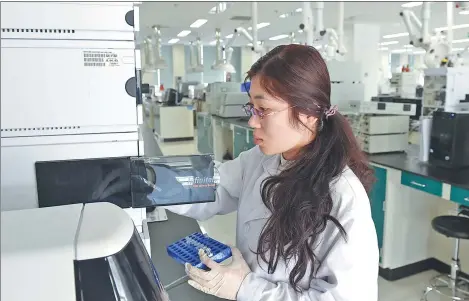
(223, 228)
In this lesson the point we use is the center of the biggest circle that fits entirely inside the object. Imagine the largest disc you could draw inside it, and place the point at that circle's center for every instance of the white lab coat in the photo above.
(349, 269)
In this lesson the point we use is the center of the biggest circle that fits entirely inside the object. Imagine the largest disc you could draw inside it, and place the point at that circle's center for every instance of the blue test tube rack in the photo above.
(186, 250)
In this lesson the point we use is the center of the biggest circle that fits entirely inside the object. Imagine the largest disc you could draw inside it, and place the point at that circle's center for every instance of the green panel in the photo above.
(421, 183)
(201, 139)
(377, 198)
(239, 142)
(251, 139)
(459, 195)
(204, 134)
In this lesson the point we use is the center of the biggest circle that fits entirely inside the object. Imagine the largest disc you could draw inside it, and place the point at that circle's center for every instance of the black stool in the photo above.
(452, 286)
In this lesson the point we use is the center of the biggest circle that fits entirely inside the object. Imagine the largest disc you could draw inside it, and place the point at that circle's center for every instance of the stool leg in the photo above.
(454, 267)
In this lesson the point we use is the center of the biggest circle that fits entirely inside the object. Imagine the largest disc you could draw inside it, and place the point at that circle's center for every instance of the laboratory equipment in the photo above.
(436, 46)
(405, 84)
(174, 122)
(215, 90)
(173, 180)
(222, 62)
(381, 133)
(186, 250)
(92, 253)
(137, 182)
(425, 135)
(445, 88)
(449, 143)
(257, 46)
(230, 105)
(83, 98)
(154, 61)
(382, 108)
(172, 97)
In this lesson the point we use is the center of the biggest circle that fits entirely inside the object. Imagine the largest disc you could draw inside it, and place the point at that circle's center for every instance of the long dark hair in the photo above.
(299, 197)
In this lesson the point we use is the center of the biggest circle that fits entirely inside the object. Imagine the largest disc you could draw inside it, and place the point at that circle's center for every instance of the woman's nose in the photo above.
(254, 122)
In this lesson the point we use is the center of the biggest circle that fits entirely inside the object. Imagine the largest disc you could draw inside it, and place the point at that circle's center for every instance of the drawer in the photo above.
(459, 195)
(421, 183)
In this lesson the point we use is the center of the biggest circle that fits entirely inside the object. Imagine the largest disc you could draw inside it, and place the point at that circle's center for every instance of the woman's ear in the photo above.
(309, 121)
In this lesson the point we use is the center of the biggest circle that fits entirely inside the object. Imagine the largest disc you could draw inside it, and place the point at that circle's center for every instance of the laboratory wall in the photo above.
(166, 75)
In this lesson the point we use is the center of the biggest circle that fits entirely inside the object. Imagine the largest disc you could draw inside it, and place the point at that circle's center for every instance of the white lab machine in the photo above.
(215, 90)
(92, 252)
(445, 88)
(381, 127)
(382, 108)
(174, 122)
(72, 90)
(231, 105)
(342, 93)
(405, 84)
(381, 133)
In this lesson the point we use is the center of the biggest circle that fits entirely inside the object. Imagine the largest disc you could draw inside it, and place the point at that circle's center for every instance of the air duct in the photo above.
(221, 63)
(153, 58)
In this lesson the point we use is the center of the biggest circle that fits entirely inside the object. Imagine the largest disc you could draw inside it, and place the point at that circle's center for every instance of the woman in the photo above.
(304, 228)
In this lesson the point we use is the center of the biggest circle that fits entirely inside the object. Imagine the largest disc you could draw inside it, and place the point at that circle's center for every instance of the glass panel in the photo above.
(171, 180)
(84, 181)
(126, 276)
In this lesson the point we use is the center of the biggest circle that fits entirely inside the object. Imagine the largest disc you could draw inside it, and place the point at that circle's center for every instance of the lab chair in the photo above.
(453, 286)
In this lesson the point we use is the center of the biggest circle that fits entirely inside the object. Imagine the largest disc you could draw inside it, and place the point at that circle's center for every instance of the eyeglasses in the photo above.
(250, 110)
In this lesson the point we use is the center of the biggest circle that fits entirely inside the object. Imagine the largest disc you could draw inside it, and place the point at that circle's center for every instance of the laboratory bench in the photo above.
(407, 195)
(162, 234)
(405, 198)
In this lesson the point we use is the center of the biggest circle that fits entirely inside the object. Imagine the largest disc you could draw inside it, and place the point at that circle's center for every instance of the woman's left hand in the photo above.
(222, 281)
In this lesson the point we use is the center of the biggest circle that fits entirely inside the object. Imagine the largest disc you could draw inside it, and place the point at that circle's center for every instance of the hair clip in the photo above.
(331, 111)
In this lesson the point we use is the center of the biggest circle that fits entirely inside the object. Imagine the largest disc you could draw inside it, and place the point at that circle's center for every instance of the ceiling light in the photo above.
(283, 16)
(461, 41)
(300, 31)
(299, 10)
(419, 52)
(464, 12)
(172, 41)
(388, 43)
(396, 35)
(229, 36)
(408, 46)
(411, 4)
(279, 37)
(458, 49)
(454, 27)
(184, 33)
(383, 48)
(400, 50)
(250, 44)
(198, 23)
(260, 25)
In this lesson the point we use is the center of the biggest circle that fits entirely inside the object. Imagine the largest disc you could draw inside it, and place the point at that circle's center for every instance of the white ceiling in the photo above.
(174, 17)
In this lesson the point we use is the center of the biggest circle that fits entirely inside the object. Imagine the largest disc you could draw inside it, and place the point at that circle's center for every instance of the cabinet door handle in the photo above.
(417, 184)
